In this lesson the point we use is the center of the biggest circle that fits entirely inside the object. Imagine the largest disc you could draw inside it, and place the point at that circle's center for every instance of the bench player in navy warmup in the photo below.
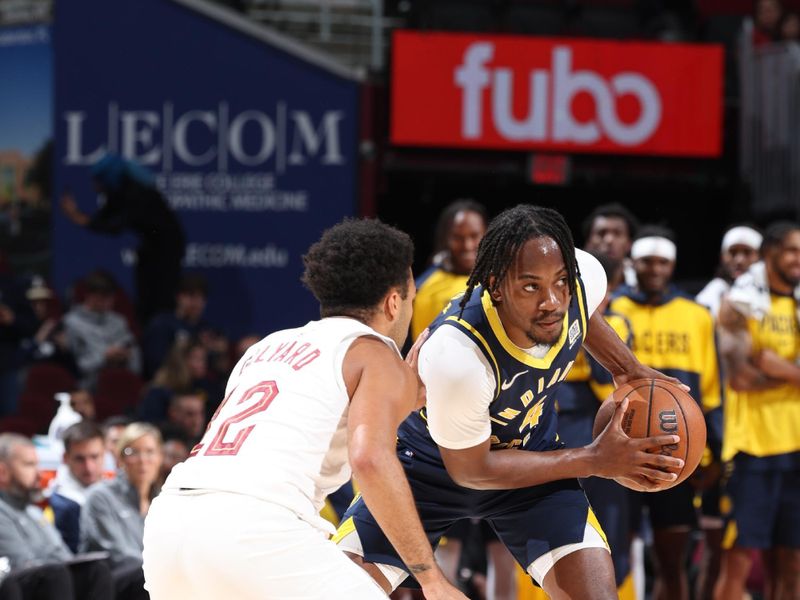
(485, 446)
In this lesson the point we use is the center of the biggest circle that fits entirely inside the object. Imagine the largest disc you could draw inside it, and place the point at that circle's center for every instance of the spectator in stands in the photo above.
(17, 322)
(767, 21)
(185, 322)
(84, 451)
(112, 518)
(133, 203)
(49, 341)
(790, 27)
(458, 232)
(184, 369)
(82, 403)
(675, 335)
(187, 412)
(96, 335)
(113, 428)
(40, 560)
(176, 449)
(242, 344)
(739, 250)
(609, 229)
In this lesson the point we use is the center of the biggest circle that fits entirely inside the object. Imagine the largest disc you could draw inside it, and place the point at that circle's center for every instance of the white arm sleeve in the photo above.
(594, 279)
(460, 386)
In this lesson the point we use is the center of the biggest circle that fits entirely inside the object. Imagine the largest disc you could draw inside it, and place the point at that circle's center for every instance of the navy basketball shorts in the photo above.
(530, 522)
(765, 509)
(669, 508)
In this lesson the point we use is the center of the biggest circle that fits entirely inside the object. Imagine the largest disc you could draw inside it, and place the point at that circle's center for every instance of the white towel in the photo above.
(750, 292)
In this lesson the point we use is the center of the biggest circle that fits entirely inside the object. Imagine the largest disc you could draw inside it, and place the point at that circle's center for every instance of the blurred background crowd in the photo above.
(113, 360)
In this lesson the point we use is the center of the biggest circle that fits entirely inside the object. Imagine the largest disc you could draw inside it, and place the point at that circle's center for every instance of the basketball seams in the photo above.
(650, 408)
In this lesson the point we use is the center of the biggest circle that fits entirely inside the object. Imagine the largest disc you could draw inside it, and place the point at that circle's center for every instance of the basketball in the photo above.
(658, 407)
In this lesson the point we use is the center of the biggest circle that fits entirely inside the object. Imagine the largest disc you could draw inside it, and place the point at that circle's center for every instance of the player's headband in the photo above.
(744, 236)
(653, 246)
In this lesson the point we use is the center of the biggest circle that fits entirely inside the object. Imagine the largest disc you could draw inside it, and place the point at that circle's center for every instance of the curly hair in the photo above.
(506, 235)
(354, 264)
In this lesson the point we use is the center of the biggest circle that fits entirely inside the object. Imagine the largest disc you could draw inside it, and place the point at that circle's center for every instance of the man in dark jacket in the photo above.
(133, 203)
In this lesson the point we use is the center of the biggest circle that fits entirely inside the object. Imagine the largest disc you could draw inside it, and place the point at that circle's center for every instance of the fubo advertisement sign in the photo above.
(576, 95)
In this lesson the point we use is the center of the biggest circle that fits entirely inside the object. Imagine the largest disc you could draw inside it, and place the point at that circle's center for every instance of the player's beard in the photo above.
(547, 339)
(787, 279)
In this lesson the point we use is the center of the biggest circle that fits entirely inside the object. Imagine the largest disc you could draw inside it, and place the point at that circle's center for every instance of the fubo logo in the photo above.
(516, 93)
(550, 93)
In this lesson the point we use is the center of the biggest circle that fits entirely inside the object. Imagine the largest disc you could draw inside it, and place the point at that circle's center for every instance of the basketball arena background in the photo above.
(265, 122)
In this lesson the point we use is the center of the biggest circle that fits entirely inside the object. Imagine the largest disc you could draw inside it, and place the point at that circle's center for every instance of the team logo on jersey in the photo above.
(574, 333)
(507, 384)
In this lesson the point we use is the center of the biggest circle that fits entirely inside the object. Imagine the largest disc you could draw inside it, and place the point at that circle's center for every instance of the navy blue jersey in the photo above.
(523, 411)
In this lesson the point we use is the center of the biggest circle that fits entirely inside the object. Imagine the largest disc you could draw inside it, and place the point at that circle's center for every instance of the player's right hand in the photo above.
(627, 460)
(441, 589)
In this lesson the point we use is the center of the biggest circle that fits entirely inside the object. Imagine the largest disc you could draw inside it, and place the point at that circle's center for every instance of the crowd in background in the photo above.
(152, 386)
(772, 23)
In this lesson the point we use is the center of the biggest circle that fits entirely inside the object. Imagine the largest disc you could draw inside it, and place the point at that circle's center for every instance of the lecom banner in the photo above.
(576, 95)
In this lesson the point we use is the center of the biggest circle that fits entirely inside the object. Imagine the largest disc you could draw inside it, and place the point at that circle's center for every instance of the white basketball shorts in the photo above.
(217, 545)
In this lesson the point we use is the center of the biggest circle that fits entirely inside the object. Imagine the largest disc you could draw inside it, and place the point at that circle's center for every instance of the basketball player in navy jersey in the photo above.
(485, 446)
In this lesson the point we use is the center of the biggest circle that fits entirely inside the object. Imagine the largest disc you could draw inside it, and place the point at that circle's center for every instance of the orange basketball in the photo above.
(657, 407)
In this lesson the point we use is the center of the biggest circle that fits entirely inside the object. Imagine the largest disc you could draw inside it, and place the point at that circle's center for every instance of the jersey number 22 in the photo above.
(264, 393)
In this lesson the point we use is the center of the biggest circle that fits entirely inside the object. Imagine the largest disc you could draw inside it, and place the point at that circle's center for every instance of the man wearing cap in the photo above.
(47, 341)
(739, 250)
(674, 334)
(740, 245)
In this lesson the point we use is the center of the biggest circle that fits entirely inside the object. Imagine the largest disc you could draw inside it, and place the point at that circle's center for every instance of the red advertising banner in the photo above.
(573, 95)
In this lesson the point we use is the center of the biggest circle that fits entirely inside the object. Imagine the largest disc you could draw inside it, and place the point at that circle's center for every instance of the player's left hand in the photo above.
(641, 371)
(639, 483)
(412, 360)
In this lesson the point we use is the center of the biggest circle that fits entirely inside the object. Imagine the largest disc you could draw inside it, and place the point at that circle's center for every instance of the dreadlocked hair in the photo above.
(507, 233)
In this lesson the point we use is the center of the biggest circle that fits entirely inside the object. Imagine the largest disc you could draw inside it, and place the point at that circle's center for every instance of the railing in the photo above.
(770, 124)
(354, 31)
(17, 12)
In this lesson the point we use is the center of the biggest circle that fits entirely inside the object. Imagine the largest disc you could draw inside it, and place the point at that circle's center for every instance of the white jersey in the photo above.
(281, 432)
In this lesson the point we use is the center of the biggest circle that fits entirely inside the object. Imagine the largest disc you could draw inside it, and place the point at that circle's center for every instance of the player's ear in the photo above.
(391, 304)
(495, 293)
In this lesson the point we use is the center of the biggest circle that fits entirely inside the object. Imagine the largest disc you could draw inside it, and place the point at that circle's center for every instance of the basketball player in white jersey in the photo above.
(240, 518)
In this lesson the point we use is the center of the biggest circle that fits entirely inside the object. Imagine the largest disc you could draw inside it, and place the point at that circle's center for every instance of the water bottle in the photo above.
(65, 416)
(5, 568)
